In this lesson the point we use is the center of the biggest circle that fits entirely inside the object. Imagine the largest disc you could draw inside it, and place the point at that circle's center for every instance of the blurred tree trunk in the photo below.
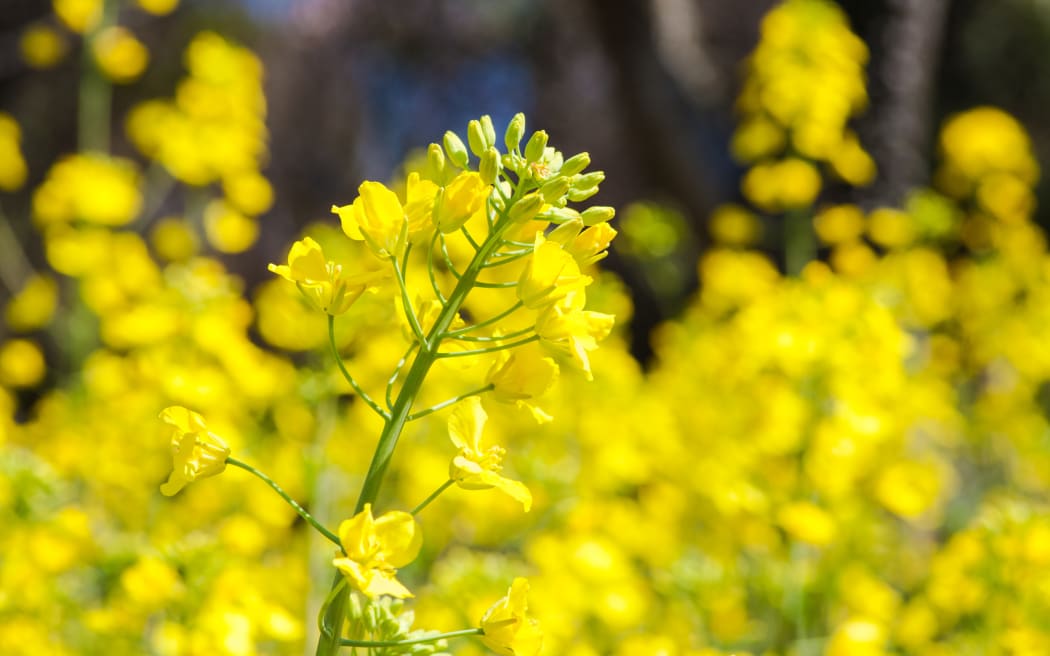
(904, 77)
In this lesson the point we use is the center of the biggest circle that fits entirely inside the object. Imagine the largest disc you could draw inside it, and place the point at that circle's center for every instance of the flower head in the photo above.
(458, 201)
(508, 630)
(567, 328)
(474, 467)
(376, 216)
(197, 452)
(323, 281)
(374, 548)
(550, 274)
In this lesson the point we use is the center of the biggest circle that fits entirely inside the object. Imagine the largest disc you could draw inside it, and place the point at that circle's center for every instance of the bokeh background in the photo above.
(822, 425)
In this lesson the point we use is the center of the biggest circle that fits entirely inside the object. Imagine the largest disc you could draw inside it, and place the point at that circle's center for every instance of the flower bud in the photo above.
(537, 143)
(527, 208)
(457, 152)
(489, 131)
(586, 186)
(515, 130)
(559, 214)
(435, 162)
(597, 214)
(575, 164)
(490, 165)
(554, 189)
(476, 138)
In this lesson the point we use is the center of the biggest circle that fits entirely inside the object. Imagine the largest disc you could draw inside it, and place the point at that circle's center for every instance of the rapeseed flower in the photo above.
(475, 467)
(373, 549)
(550, 274)
(459, 200)
(376, 217)
(198, 452)
(322, 281)
(508, 630)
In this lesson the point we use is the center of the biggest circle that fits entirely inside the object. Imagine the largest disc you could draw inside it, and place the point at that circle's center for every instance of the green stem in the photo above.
(447, 403)
(397, 372)
(491, 349)
(500, 338)
(800, 244)
(333, 618)
(433, 495)
(487, 322)
(345, 642)
(430, 269)
(346, 374)
(410, 313)
(95, 95)
(284, 495)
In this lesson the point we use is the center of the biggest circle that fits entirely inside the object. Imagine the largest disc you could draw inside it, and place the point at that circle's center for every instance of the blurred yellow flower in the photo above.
(227, 229)
(508, 630)
(13, 168)
(733, 225)
(174, 239)
(119, 55)
(807, 522)
(34, 306)
(92, 187)
(475, 468)
(839, 224)
(21, 363)
(248, 191)
(322, 281)
(79, 15)
(42, 46)
(158, 7)
(374, 548)
(197, 452)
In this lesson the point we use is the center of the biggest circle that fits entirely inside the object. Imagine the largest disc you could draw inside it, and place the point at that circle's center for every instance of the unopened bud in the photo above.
(527, 208)
(515, 130)
(457, 152)
(476, 138)
(435, 162)
(537, 143)
(597, 214)
(489, 131)
(553, 190)
(575, 164)
(490, 166)
(559, 214)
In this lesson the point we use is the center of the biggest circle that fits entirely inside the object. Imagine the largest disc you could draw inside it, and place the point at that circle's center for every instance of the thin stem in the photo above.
(508, 257)
(291, 502)
(519, 244)
(430, 269)
(95, 95)
(346, 374)
(501, 338)
(496, 285)
(397, 372)
(410, 312)
(346, 642)
(492, 349)
(487, 322)
(470, 238)
(15, 268)
(800, 245)
(448, 402)
(448, 260)
(433, 495)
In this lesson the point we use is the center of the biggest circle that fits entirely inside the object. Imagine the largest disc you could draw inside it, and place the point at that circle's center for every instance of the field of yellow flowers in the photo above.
(850, 457)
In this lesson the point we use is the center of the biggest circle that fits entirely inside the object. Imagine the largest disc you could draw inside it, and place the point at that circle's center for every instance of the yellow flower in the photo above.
(13, 170)
(79, 15)
(420, 196)
(42, 46)
(567, 328)
(550, 275)
(119, 54)
(459, 200)
(522, 375)
(376, 216)
(375, 548)
(475, 468)
(198, 453)
(508, 630)
(322, 281)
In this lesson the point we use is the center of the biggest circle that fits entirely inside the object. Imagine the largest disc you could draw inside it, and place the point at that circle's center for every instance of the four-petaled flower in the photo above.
(567, 328)
(323, 281)
(373, 549)
(377, 217)
(475, 468)
(507, 629)
(196, 451)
